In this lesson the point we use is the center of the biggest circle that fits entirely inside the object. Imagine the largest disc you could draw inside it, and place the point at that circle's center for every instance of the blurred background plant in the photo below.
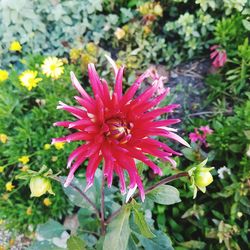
(136, 34)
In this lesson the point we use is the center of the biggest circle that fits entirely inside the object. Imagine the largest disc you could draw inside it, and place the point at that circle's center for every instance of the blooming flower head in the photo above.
(15, 46)
(9, 186)
(3, 75)
(118, 129)
(3, 138)
(24, 159)
(53, 67)
(28, 79)
(219, 56)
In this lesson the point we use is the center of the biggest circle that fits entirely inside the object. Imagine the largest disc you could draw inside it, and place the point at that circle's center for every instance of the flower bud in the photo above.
(40, 185)
(200, 177)
(203, 177)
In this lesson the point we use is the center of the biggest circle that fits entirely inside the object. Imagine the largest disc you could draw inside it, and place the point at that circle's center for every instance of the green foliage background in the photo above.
(185, 31)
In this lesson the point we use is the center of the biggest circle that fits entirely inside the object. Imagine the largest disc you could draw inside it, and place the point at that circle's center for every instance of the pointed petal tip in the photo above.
(89, 185)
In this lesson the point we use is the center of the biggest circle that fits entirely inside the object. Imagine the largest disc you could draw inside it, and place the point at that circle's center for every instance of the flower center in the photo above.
(119, 130)
(52, 67)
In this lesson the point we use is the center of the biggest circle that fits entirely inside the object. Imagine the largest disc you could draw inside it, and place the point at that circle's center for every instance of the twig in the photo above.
(81, 193)
(211, 113)
(103, 226)
(162, 182)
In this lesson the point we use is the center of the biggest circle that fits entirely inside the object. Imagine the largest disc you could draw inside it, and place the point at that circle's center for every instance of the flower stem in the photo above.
(56, 178)
(103, 225)
(162, 182)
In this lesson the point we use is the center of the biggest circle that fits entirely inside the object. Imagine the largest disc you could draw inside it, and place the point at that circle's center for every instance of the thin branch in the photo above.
(103, 227)
(162, 182)
(80, 192)
(210, 113)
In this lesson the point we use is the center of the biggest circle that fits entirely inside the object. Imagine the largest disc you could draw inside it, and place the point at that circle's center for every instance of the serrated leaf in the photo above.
(165, 195)
(118, 231)
(75, 243)
(246, 24)
(142, 224)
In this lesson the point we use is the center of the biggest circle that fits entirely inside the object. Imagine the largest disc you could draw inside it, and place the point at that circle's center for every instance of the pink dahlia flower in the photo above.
(117, 129)
(219, 56)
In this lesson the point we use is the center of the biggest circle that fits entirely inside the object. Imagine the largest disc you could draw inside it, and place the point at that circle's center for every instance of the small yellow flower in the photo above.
(5, 196)
(1, 169)
(119, 33)
(54, 158)
(28, 79)
(24, 168)
(15, 46)
(24, 159)
(40, 185)
(46, 146)
(3, 75)
(47, 202)
(29, 211)
(59, 145)
(53, 67)
(92, 49)
(3, 138)
(9, 186)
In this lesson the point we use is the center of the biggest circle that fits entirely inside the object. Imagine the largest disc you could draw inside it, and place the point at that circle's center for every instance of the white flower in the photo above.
(222, 171)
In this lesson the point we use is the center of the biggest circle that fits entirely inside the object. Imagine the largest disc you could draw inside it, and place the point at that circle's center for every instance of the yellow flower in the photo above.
(28, 79)
(3, 75)
(29, 211)
(5, 196)
(3, 138)
(119, 33)
(47, 202)
(92, 49)
(53, 67)
(59, 145)
(1, 169)
(24, 168)
(9, 186)
(40, 185)
(46, 146)
(54, 158)
(24, 159)
(15, 46)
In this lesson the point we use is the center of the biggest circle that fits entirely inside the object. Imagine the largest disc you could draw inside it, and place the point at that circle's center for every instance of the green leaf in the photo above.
(246, 24)
(160, 242)
(43, 245)
(142, 224)
(50, 229)
(75, 197)
(118, 231)
(165, 195)
(193, 244)
(75, 243)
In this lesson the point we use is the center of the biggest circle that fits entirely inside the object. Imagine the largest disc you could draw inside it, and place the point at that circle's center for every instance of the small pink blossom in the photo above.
(200, 134)
(218, 55)
(206, 130)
